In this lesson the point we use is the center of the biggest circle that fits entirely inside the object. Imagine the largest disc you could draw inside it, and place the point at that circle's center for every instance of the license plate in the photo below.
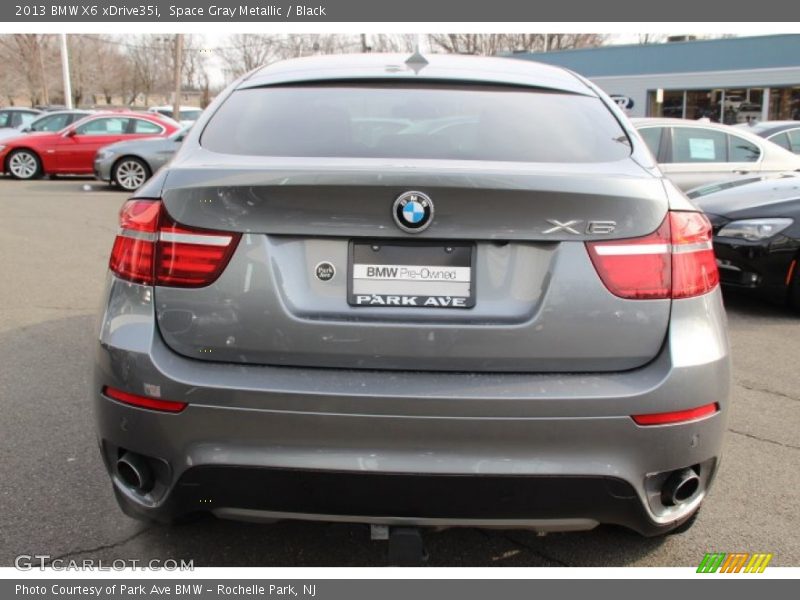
(411, 274)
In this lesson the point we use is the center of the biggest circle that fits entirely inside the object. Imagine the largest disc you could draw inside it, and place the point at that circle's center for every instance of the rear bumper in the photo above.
(545, 503)
(544, 451)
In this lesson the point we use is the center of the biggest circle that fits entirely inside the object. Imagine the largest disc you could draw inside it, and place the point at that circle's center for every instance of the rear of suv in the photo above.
(442, 291)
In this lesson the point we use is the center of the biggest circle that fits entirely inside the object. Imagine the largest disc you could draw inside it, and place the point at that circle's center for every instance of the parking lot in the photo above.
(56, 499)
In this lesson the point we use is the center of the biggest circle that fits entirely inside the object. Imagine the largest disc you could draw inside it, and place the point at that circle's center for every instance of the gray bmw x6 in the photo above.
(436, 291)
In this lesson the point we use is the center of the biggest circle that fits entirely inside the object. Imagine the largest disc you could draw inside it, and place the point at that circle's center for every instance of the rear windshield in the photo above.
(358, 121)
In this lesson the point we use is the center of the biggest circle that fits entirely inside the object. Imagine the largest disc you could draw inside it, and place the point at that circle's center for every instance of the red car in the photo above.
(72, 150)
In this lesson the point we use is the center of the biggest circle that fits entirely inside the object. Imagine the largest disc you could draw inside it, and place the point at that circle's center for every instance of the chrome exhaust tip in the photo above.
(135, 472)
(680, 487)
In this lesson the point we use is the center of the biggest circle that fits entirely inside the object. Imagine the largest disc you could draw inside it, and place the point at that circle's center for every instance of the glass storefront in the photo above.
(784, 104)
(728, 105)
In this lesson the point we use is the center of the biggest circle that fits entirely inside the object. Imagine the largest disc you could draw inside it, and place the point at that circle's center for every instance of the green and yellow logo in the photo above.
(736, 562)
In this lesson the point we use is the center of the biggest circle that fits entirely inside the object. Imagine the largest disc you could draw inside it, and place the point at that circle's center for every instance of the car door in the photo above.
(701, 155)
(77, 146)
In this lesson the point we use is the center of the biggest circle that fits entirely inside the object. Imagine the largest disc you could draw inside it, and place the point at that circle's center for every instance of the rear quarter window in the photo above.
(142, 126)
(431, 122)
(743, 151)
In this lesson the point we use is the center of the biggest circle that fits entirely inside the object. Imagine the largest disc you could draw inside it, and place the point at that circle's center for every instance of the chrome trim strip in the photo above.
(147, 236)
(247, 514)
(189, 238)
(632, 250)
(696, 247)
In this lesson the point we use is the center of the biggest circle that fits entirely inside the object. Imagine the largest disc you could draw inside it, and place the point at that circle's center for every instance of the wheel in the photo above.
(793, 292)
(130, 173)
(24, 164)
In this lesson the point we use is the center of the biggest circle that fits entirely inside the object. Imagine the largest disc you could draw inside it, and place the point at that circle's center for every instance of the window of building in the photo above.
(729, 105)
(784, 104)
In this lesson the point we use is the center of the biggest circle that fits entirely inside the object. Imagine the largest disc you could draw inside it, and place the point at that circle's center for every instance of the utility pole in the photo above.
(65, 72)
(45, 93)
(176, 105)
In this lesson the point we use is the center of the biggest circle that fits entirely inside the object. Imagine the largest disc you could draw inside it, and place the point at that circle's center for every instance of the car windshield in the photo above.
(491, 123)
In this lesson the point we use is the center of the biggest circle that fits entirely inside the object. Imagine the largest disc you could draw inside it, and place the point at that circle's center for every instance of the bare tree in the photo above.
(11, 79)
(489, 44)
(651, 38)
(195, 61)
(31, 59)
(243, 52)
(383, 42)
(150, 57)
(89, 58)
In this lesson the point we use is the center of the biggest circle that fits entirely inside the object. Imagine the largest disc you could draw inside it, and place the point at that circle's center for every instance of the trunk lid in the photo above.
(539, 303)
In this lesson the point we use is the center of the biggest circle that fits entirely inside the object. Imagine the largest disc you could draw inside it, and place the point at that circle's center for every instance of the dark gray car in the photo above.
(510, 321)
(129, 164)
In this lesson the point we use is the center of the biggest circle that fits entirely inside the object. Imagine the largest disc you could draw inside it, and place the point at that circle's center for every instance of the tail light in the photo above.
(152, 249)
(675, 261)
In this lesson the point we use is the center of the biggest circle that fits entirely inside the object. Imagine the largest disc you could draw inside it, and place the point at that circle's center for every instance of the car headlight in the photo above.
(754, 229)
(104, 154)
(2, 147)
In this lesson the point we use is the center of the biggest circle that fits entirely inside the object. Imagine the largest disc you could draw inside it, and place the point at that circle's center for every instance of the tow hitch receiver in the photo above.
(406, 547)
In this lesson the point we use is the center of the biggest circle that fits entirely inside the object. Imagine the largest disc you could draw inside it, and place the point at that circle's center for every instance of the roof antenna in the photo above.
(416, 62)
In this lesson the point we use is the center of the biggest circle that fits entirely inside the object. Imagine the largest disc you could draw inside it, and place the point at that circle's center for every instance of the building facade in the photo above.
(729, 80)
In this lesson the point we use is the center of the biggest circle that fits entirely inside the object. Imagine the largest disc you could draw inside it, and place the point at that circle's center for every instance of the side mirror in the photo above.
(70, 133)
(26, 130)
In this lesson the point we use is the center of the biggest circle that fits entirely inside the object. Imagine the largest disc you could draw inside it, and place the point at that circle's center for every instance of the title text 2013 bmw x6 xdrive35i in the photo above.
(443, 291)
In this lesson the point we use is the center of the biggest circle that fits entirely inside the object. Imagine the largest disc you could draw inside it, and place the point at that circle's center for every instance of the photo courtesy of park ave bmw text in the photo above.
(432, 285)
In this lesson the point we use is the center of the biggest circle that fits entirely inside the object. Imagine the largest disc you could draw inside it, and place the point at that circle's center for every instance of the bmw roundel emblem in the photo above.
(413, 211)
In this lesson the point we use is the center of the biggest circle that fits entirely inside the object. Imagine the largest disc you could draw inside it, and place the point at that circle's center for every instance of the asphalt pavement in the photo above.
(56, 499)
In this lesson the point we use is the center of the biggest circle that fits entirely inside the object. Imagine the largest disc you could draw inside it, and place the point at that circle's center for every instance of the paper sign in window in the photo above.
(701, 149)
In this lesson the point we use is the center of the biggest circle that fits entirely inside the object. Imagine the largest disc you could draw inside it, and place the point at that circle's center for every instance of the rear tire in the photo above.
(130, 173)
(24, 164)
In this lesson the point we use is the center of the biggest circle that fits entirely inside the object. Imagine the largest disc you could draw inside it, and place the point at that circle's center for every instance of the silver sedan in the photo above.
(129, 164)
